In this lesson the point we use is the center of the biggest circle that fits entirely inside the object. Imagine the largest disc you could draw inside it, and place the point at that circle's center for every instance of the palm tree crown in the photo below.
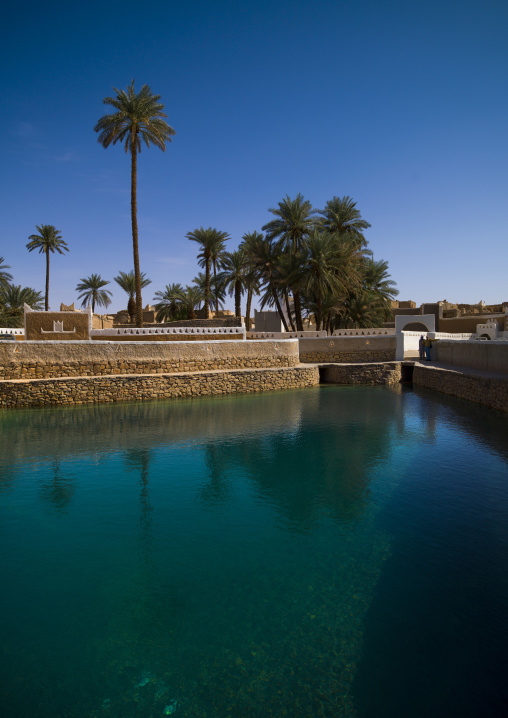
(12, 302)
(138, 117)
(48, 240)
(127, 282)
(5, 277)
(92, 291)
(341, 216)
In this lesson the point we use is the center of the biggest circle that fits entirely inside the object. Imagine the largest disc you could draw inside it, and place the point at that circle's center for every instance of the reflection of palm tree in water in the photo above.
(139, 460)
(60, 490)
(217, 488)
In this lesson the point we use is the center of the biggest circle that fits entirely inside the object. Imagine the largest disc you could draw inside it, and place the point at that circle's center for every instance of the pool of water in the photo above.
(334, 551)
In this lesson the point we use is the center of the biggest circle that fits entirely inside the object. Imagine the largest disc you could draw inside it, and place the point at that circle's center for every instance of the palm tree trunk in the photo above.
(216, 288)
(238, 298)
(247, 309)
(46, 301)
(288, 309)
(207, 289)
(134, 220)
(279, 309)
(319, 312)
(298, 311)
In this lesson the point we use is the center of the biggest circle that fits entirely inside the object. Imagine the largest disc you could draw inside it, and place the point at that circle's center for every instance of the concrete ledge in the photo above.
(101, 389)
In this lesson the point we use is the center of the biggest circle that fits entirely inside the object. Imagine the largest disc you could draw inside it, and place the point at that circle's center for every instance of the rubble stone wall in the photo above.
(489, 391)
(102, 389)
(367, 374)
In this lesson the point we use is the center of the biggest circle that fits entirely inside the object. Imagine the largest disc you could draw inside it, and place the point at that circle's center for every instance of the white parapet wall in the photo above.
(169, 332)
(11, 330)
(286, 335)
(371, 332)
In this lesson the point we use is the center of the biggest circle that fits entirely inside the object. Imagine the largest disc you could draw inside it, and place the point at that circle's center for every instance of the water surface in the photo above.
(334, 551)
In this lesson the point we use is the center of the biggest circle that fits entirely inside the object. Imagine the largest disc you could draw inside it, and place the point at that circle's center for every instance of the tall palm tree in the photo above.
(138, 117)
(235, 271)
(12, 302)
(264, 258)
(211, 243)
(293, 223)
(248, 244)
(5, 277)
(341, 216)
(168, 303)
(92, 291)
(127, 282)
(48, 240)
(217, 290)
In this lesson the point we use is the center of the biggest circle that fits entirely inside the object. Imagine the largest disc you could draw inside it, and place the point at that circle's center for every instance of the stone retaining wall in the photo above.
(39, 360)
(100, 389)
(347, 358)
(366, 374)
(489, 391)
(347, 350)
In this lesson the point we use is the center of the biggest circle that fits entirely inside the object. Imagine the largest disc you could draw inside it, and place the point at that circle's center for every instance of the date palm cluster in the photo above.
(308, 263)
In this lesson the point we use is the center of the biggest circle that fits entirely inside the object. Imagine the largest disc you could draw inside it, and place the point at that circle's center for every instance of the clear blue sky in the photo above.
(401, 105)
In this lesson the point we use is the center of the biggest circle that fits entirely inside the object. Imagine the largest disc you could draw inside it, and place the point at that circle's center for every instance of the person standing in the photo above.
(421, 348)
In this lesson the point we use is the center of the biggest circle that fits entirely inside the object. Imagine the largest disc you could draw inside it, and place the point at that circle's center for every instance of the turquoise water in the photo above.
(335, 551)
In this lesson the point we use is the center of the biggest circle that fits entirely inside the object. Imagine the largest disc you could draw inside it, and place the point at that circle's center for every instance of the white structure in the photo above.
(408, 341)
(110, 334)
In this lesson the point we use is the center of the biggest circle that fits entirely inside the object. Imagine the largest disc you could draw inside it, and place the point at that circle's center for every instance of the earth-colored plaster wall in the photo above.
(489, 391)
(78, 321)
(489, 356)
(370, 374)
(101, 389)
(348, 350)
(32, 360)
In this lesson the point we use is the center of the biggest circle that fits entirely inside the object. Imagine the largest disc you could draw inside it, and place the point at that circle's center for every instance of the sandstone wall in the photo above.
(101, 389)
(351, 349)
(33, 360)
(489, 391)
(370, 374)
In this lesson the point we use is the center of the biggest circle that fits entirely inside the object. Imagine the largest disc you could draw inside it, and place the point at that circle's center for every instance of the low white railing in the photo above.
(285, 335)
(11, 330)
(362, 332)
(168, 331)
